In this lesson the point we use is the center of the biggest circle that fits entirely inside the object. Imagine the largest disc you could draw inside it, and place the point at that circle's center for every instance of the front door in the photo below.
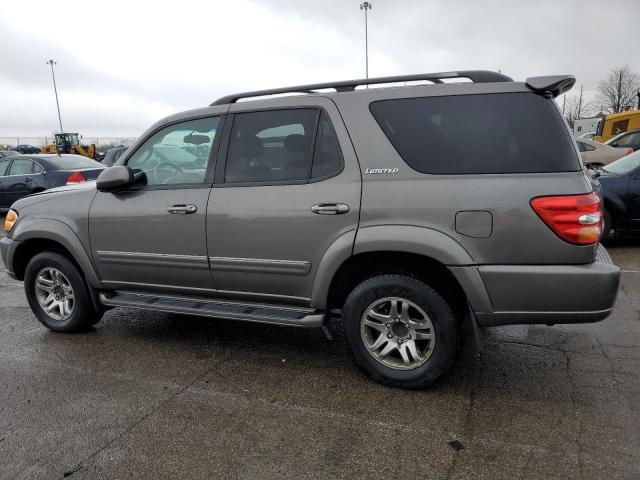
(152, 235)
(289, 188)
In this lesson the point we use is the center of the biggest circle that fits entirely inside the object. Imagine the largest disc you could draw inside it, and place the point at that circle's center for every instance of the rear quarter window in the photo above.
(475, 134)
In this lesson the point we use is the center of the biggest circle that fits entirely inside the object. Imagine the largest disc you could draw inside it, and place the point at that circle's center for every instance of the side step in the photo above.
(251, 312)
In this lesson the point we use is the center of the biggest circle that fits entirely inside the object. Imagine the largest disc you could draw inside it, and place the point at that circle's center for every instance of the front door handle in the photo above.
(182, 208)
(330, 208)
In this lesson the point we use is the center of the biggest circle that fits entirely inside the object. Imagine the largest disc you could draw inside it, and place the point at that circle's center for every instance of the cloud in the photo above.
(124, 64)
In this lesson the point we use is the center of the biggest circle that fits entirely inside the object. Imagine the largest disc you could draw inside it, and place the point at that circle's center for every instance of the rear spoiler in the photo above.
(553, 85)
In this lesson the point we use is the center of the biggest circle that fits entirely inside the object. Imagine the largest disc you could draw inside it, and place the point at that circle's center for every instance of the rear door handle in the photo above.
(330, 208)
(182, 208)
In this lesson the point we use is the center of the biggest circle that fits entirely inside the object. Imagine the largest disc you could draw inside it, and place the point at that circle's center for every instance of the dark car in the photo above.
(23, 175)
(620, 187)
(8, 153)
(626, 140)
(112, 155)
(27, 149)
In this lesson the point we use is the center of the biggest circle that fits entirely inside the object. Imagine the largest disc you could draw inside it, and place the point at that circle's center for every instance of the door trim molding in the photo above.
(144, 259)
(260, 265)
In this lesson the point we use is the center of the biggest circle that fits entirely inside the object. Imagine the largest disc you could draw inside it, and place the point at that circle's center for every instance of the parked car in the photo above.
(587, 136)
(28, 149)
(626, 140)
(620, 189)
(597, 154)
(112, 155)
(24, 175)
(399, 212)
(8, 153)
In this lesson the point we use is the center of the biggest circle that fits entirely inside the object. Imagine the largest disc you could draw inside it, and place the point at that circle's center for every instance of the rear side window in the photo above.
(4, 165)
(21, 167)
(271, 146)
(475, 134)
(327, 159)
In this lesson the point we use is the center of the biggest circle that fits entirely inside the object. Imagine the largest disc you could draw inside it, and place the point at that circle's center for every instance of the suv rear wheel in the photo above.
(400, 331)
(57, 293)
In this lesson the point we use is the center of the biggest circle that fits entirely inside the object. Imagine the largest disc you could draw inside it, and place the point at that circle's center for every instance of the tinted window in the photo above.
(270, 146)
(177, 154)
(37, 168)
(21, 166)
(72, 162)
(327, 159)
(585, 147)
(4, 164)
(491, 133)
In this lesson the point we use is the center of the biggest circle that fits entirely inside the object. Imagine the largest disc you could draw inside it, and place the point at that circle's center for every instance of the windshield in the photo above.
(624, 164)
(10, 153)
(67, 162)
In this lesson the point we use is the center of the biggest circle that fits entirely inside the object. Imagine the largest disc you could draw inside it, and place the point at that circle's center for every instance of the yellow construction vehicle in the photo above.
(70, 143)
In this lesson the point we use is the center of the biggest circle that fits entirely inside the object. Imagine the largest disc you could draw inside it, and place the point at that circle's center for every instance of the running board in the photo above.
(250, 312)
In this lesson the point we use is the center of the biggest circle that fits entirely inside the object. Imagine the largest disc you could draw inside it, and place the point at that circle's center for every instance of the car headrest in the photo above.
(249, 147)
(295, 143)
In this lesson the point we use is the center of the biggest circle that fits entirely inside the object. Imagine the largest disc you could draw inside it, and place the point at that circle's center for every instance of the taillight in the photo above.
(75, 177)
(576, 219)
(629, 151)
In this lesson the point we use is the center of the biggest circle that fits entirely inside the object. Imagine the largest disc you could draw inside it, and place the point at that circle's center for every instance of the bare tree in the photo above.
(571, 107)
(618, 91)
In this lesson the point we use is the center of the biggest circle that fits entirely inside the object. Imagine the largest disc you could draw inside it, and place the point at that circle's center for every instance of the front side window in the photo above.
(21, 166)
(271, 146)
(476, 134)
(177, 154)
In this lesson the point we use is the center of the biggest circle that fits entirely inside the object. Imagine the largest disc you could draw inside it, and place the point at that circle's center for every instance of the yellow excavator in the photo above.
(70, 143)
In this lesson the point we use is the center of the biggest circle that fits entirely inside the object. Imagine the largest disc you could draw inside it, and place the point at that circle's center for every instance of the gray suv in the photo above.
(401, 212)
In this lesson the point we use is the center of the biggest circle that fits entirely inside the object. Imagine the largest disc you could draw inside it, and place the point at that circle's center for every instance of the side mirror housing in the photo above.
(113, 178)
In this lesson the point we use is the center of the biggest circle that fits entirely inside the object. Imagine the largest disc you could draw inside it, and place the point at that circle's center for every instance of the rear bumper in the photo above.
(527, 294)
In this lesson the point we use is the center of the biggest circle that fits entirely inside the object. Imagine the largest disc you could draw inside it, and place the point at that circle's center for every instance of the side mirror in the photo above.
(113, 178)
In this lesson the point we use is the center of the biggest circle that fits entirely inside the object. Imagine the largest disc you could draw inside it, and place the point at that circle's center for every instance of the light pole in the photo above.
(366, 6)
(52, 63)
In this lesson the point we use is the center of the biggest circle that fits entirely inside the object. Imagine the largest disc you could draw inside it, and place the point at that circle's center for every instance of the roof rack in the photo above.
(476, 76)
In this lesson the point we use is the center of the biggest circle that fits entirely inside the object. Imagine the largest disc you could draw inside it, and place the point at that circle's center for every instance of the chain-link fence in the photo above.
(102, 143)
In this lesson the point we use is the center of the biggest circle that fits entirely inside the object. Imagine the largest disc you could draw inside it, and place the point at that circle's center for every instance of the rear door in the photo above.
(288, 189)
(4, 171)
(21, 180)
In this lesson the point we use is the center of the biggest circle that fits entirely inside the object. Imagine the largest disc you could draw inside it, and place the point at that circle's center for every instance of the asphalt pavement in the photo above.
(151, 395)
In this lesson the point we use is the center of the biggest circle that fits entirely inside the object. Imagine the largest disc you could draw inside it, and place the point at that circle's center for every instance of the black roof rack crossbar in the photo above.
(476, 76)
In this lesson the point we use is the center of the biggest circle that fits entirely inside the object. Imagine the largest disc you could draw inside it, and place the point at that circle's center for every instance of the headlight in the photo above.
(9, 222)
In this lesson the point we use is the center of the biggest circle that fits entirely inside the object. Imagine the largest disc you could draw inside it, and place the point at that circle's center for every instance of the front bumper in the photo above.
(526, 294)
(7, 247)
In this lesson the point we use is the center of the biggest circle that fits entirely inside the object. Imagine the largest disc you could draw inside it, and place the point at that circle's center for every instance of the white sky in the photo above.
(124, 64)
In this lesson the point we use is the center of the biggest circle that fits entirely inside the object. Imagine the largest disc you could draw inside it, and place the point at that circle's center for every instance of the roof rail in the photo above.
(476, 76)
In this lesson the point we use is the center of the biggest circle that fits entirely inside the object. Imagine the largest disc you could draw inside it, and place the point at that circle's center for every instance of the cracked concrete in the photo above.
(149, 395)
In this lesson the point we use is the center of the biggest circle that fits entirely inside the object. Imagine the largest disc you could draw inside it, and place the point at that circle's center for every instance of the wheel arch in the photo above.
(35, 236)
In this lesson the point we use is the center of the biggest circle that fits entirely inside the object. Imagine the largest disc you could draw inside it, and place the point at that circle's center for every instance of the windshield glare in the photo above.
(624, 164)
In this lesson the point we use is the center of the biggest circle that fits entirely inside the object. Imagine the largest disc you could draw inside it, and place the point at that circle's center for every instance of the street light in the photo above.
(52, 63)
(366, 6)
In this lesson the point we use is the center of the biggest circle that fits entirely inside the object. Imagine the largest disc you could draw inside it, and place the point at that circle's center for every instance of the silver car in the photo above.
(392, 215)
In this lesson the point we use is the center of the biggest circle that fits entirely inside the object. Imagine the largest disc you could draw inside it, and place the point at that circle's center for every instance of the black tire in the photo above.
(606, 228)
(445, 330)
(83, 315)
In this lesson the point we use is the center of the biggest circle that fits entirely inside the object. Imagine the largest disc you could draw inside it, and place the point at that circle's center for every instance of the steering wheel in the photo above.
(169, 168)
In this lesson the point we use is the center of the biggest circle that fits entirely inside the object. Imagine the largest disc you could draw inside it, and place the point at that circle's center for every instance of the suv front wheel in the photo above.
(57, 293)
(400, 331)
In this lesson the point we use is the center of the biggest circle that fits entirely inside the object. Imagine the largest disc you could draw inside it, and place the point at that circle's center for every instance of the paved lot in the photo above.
(151, 395)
